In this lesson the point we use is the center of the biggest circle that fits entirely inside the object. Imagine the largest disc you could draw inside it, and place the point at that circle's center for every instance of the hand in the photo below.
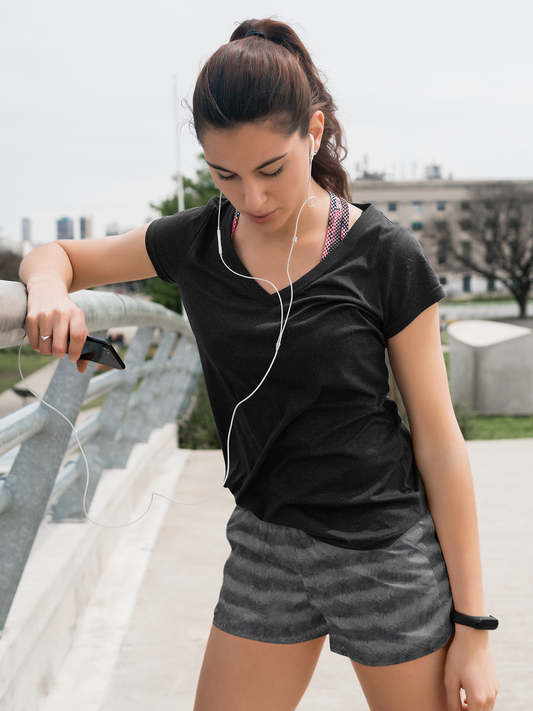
(470, 666)
(52, 313)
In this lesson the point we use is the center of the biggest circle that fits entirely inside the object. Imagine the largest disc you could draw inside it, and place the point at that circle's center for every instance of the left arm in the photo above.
(441, 457)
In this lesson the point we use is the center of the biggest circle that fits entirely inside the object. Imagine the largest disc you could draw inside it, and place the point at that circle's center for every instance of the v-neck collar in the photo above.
(257, 290)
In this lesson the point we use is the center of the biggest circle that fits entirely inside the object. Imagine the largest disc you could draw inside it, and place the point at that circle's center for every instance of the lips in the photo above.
(261, 219)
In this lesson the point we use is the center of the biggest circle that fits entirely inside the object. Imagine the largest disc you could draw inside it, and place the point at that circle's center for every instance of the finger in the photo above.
(60, 337)
(46, 338)
(32, 329)
(476, 700)
(453, 696)
(78, 335)
(82, 365)
(490, 704)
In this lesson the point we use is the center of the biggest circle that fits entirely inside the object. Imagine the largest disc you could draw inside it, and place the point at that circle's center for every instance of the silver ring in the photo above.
(45, 338)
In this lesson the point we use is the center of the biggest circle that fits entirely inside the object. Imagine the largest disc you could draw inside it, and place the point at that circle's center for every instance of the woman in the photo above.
(332, 533)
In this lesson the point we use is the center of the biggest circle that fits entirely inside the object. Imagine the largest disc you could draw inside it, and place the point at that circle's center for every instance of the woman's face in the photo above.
(263, 173)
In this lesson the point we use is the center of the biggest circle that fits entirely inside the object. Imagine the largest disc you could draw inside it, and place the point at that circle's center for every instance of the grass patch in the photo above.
(501, 427)
(489, 426)
(30, 361)
(97, 402)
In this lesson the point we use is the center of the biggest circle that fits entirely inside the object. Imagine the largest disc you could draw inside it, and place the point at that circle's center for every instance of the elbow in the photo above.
(48, 260)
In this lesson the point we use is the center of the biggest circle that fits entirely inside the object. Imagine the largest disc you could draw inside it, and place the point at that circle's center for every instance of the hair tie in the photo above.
(255, 32)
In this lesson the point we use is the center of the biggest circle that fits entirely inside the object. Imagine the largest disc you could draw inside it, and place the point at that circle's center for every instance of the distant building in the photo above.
(417, 203)
(65, 228)
(26, 236)
(112, 229)
(86, 227)
(433, 172)
(26, 229)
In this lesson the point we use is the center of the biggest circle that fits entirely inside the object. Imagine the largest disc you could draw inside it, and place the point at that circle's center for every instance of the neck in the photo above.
(313, 218)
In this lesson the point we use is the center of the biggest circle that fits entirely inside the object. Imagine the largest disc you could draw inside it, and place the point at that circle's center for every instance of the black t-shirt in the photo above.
(320, 446)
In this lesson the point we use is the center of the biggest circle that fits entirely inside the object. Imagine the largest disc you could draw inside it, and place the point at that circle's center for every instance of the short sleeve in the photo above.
(168, 239)
(409, 284)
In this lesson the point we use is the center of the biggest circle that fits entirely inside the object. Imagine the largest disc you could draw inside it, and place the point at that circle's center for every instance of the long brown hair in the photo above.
(253, 79)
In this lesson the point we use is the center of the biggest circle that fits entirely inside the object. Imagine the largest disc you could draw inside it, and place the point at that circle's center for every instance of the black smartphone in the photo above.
(99, 351)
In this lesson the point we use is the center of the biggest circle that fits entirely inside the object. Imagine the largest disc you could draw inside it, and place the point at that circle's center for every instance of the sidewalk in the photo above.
(142, 649)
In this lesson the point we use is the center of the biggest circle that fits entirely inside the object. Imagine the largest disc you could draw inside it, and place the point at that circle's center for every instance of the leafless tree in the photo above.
(499, 223)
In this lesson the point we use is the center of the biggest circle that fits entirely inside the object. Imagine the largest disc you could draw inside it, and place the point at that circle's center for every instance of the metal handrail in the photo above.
(102, 310)
(39, 480)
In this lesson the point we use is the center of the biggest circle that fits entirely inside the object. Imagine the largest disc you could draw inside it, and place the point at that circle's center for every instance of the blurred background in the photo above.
(86, 90)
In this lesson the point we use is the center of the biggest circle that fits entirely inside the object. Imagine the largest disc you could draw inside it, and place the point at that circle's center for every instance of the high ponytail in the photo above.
(252, 79)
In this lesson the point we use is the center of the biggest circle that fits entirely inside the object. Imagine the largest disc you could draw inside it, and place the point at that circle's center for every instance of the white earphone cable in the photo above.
(283, 323)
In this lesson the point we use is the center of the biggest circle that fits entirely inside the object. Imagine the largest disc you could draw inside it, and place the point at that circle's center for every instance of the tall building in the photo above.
(26, 229)
(86, 227)
(65, 228)
(26, 236)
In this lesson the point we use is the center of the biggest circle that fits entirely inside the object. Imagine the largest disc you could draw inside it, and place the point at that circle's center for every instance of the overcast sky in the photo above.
(86, 94)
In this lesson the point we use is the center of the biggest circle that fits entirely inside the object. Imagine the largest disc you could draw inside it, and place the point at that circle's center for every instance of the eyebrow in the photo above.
(263, 165)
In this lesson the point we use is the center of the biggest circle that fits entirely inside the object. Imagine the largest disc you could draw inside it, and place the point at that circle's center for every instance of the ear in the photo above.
(316, 127)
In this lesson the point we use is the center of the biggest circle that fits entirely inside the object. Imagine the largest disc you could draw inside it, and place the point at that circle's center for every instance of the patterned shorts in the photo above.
(379, 607)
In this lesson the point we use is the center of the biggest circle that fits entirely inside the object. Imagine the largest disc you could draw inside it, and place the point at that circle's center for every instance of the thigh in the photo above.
(418, 684)
(242, 674)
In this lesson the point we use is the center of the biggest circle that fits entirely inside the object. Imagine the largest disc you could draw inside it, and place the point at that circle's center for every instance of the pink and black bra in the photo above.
(338, 223)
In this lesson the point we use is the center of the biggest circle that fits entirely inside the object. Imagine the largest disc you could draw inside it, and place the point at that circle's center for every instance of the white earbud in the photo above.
(313, 152)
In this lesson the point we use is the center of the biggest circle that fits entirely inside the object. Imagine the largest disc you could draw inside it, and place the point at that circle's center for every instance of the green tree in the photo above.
(9, 265)
(197, 193)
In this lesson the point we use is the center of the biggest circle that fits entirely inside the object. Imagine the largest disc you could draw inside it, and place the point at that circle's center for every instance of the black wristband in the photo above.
(478, 623)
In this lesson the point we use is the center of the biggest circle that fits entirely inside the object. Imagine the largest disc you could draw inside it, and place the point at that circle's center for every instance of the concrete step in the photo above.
(62, 573)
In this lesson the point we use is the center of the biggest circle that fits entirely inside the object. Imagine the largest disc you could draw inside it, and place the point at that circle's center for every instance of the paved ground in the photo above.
(147, 653)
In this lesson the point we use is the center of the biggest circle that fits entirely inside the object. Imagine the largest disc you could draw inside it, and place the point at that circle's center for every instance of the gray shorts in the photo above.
(379, 607)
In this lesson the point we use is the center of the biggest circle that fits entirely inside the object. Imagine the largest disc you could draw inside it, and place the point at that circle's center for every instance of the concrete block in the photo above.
(492, 367)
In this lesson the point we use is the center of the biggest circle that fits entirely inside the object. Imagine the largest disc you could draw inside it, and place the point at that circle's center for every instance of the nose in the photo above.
(254, 197)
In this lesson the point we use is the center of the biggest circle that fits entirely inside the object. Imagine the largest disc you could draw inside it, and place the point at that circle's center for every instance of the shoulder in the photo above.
(169, 239)
(188, 221)
(387, 240)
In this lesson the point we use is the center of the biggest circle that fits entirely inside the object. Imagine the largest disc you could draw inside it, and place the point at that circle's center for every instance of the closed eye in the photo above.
(225, 177)
(273, 175)
(265, 175)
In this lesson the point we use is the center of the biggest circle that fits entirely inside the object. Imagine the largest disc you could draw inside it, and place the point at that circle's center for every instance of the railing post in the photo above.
(137, 426)
(97, 450)
(32, 477)
(160, 411)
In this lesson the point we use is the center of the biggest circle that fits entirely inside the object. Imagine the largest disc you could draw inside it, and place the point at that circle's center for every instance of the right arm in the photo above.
(56, 269)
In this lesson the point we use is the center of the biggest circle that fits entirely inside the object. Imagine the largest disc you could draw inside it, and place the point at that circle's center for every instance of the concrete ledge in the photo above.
(492, 367)
(60, 578)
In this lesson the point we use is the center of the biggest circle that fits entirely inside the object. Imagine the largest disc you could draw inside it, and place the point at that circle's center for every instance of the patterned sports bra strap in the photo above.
(338, 223)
